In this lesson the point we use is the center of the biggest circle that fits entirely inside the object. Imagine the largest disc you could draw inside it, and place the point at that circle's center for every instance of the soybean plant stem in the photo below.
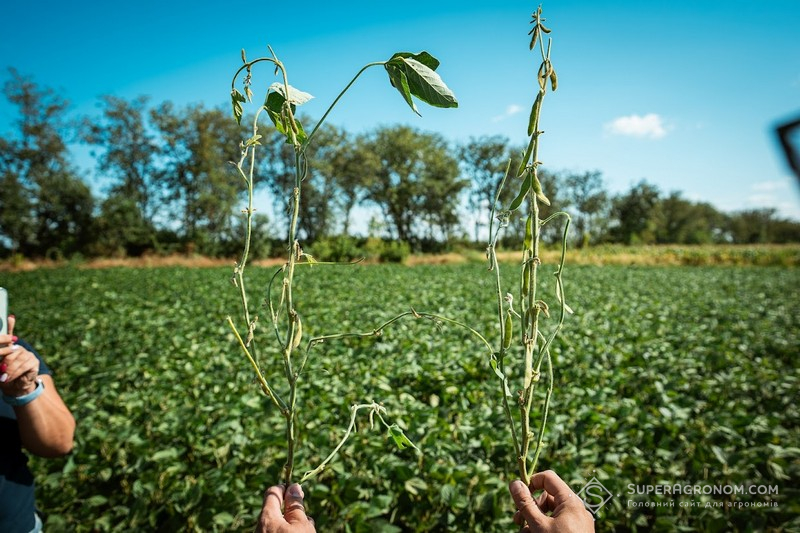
(261, 379)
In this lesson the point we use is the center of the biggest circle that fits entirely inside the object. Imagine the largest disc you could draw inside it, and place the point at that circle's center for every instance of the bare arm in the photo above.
(46, 426)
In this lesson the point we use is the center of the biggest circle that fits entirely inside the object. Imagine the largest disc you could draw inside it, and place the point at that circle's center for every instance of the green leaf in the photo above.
(223, 519)
(415, 485)
(414, 74)
(423, 57)
(523, 190)
(274, 107)
(96, 501)
(494, 364)
(400, 438)
(399, 81)
(253, 141)
(718, 453)
(237, 99)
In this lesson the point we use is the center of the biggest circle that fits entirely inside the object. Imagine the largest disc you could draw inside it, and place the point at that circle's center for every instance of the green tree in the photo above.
(588, 203)
(417, 186)
(47, 208)
(121, 229)
(636, 215)
(484, 161)
(321, 187)
(753, 226)
(353, 167)
(16, 214)
(129, 151)
(200, 187)
(686, 222)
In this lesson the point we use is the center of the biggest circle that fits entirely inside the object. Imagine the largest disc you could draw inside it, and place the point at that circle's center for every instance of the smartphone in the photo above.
(3, 311)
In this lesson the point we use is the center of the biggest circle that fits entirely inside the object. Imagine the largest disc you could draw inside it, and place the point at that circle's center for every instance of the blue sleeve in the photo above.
(43, 368)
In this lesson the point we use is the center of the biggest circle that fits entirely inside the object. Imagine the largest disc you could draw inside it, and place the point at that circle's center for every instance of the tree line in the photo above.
(169, 187)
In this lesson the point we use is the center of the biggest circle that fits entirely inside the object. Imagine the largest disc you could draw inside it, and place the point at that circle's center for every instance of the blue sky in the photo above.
(684, 94)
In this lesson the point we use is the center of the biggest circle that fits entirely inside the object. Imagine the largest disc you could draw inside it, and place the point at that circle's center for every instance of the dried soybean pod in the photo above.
(553, 80)
(534, 33)
(544, 71)
(508, 330)
(298, 333)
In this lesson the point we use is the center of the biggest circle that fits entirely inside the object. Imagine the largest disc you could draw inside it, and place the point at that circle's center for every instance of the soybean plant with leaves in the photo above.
(413, 75)
(532, 342)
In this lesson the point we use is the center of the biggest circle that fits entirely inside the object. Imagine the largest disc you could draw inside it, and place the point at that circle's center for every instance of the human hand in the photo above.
(19, 368)
(568, 514)
(283, 511)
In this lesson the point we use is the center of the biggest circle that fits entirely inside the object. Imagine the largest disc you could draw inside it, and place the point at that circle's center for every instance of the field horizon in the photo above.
(787, 255)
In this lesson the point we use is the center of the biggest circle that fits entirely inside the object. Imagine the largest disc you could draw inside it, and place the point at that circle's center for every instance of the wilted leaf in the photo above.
(274, 107)
(400, 438)
(237, 99)
(399, 81)
(296, 96)
(414, 74)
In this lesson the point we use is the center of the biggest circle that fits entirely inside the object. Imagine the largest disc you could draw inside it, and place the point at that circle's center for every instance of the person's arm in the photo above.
(46, 426)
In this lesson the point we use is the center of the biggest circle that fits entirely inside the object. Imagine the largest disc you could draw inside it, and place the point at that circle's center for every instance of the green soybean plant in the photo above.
(414, 76)
(528, 347)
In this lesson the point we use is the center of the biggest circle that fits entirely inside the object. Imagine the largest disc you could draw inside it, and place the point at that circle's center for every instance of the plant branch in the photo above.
(261, 379)
(375, 409)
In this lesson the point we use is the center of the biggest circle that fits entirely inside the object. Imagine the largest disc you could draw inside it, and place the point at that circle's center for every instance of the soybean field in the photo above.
(680, 377)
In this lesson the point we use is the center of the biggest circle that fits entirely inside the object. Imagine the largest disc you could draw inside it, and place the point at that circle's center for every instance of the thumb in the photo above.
(10, 321)
(293, 509)
(523, 499)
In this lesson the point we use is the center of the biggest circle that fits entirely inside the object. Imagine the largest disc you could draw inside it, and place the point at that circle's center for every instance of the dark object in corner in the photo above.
(789, 136)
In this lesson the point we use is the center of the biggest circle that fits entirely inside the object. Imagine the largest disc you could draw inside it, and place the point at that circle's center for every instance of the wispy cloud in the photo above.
(648, 126)
(775, 193)
(510, 111)
(770, 186)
